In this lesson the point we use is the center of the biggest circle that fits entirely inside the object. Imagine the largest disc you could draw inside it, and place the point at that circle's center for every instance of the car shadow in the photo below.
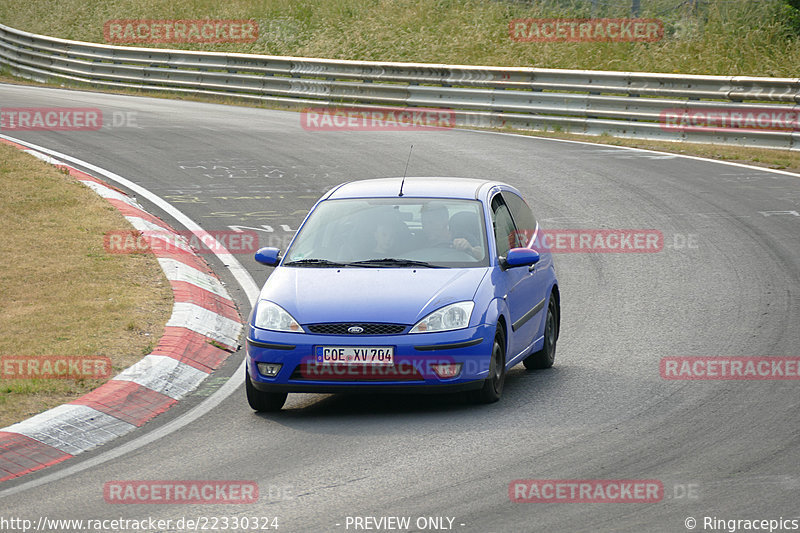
(326, 413)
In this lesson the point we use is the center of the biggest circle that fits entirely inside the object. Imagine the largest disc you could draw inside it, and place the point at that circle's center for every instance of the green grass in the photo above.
(723, 37)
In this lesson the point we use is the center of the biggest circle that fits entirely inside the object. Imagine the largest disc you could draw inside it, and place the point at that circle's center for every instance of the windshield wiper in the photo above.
(314, 262)
(391, 261)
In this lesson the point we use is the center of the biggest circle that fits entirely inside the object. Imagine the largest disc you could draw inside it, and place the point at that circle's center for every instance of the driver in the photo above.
(384, 240)
(436, 231)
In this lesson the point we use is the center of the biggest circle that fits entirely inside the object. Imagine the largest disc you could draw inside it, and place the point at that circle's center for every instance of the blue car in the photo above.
(404, 285)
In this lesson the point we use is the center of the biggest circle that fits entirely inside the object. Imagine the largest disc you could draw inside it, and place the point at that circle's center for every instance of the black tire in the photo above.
(260, 401)
(545, 357)
(492, 388)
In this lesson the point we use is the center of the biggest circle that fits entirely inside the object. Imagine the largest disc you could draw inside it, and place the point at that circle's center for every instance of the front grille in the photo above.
(341, 328)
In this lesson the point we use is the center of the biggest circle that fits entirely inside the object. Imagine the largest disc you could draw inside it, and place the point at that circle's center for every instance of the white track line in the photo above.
(633, 148)
(242, 277)
(251, 290)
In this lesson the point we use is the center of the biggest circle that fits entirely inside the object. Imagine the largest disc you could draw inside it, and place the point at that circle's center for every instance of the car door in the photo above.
(515, 226)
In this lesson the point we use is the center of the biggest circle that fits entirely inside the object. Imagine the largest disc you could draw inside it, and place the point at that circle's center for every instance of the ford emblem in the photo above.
(355, 329)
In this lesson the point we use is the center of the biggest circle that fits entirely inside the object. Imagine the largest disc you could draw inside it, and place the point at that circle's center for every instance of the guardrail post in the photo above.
(530, 96)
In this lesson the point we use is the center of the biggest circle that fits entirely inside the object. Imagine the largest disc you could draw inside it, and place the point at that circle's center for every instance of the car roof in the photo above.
(420, 187)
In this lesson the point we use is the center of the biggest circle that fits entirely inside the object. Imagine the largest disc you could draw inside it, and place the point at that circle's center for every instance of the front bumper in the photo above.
(414, 355)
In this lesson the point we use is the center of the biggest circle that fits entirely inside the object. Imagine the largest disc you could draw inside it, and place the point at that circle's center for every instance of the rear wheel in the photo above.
(545, 357)
(493, 385)
(263, 401)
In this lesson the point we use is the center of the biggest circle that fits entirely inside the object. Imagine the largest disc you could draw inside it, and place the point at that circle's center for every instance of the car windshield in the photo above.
(392, 232)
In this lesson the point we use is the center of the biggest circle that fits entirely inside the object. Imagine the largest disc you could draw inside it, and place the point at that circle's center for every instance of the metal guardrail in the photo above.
(623, 104)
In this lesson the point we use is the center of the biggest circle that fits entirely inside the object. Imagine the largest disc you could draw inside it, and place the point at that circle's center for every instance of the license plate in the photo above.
(355, 355)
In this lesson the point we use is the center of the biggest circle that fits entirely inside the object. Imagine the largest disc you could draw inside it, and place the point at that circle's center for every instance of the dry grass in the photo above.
(62, 293)
(724, 37)
(761, 157)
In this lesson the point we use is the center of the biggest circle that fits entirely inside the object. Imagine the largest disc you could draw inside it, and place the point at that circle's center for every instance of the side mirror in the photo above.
(520, 257)
(268, 256)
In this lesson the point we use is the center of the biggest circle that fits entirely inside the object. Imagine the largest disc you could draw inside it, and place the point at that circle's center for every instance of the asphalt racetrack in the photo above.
(727, 283)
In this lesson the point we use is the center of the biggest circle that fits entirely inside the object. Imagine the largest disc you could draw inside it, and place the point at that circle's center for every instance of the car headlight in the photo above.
(272, 316)
(453, 316)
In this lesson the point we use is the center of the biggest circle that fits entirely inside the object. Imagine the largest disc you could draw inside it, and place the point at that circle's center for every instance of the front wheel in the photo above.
(261, 401)
(545, 357)
(493, 385)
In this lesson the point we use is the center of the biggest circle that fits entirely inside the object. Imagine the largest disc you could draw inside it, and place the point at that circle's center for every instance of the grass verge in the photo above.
(760, 157)
(723, 37)
(62, 294)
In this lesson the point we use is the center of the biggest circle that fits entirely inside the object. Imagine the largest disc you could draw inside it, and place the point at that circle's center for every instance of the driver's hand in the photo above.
(465, 246)
(462, 244)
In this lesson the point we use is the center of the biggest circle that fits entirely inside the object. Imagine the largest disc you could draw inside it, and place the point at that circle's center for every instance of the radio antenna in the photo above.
(406, 170)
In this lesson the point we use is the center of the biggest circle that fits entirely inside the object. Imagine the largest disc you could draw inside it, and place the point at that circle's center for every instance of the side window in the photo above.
(523, 218)
(504, 231)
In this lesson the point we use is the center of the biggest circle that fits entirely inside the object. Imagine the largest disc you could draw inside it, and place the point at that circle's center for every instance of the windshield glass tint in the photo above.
(442, 232)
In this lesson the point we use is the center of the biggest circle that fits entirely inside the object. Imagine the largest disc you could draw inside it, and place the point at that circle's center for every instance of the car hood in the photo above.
(388, 295)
